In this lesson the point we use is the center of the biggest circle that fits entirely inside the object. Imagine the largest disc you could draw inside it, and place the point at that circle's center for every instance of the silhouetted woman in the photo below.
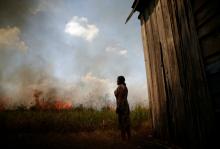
(122, 109)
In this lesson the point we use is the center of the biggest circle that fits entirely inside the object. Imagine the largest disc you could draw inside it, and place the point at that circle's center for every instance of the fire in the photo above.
(2, 106)
(56, 103)
(59, 105)
(3, 103)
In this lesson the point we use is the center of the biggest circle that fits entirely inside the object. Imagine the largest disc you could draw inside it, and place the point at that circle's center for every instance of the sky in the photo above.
(71, 49)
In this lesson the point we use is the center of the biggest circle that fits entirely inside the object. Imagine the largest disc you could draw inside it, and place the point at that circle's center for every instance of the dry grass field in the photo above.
(74, 128)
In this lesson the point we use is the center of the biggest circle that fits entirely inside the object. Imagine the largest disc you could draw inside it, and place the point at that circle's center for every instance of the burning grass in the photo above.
(69, 120)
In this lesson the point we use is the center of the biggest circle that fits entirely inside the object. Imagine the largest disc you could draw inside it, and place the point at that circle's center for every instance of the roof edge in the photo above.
(140, 6)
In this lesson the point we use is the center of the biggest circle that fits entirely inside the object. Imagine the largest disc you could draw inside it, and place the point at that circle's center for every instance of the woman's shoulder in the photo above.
(122, 86)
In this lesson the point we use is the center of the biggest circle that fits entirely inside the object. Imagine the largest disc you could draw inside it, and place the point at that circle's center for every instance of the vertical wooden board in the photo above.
(180, 120)
(209, 11)
(211, 59)
(165, 65)
(195, 93)
(159, 74)
(169, 11)
(186, 70)
(156, 108)
(208, 24)
(162, 45)
(171, 49)
(182, 61)
(167, 40)
(174, 98)
(210, 45)
(201, 95)
(147, 64)
(197, 5)
(151, 64)
(166, 71)
(211, 26)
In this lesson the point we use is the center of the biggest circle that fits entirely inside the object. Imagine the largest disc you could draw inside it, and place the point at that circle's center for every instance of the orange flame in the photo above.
(61, 105)
(58, 103)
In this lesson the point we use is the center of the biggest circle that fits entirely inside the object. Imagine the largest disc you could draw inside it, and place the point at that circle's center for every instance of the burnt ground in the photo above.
(108, 139)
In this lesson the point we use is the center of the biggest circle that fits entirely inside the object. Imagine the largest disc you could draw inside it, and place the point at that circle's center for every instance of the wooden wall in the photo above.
(179, 99)
(207, 20)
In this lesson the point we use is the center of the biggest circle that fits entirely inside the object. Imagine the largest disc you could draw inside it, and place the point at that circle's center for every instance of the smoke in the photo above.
(40, 61)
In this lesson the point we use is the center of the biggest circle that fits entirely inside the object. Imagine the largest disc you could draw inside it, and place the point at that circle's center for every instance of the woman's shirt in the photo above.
(121, 94)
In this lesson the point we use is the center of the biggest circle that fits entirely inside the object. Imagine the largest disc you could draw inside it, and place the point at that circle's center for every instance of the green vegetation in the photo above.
(71, 120)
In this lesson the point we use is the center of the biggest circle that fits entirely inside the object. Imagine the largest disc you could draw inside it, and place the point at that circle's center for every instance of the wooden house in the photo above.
(181, 40)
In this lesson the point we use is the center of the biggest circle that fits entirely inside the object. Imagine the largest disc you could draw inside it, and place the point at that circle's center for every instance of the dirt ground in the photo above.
(83, 140)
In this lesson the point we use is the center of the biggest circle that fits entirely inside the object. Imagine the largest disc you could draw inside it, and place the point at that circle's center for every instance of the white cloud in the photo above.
(110, 49)
(10, 39)
(123, 52)
(117, 49)
(79, 27)
(92, 80)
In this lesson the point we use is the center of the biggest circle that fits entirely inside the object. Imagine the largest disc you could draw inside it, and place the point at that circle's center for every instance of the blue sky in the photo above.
(68, 45)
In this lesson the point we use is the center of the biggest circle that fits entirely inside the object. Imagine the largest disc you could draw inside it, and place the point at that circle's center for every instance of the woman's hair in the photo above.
(121, 80)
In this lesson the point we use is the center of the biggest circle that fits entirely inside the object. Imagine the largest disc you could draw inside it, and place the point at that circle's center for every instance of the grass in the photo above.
(78, 128)
(72, 120)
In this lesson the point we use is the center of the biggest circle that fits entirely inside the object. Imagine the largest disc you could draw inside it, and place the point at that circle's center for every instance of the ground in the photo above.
(83, 140)
(76, 129)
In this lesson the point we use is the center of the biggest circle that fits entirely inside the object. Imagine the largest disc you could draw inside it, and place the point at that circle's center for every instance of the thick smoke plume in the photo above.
(43, 66)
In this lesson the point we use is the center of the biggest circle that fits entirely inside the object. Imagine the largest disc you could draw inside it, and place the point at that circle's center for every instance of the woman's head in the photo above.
(121, 80)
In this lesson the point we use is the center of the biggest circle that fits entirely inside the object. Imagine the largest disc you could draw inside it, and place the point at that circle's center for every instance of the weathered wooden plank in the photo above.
(198, 5)
(208, 22)
(147, 65)
(207, 13)
(155, 111)
(171, 72)
(160, 78)
(210, 45)
(175, 97)
(182, 64)
(210, 27)
(157, 81)
(212, 59)
(154, 64)
(195, 76)
(214, 83)
(186, 48)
